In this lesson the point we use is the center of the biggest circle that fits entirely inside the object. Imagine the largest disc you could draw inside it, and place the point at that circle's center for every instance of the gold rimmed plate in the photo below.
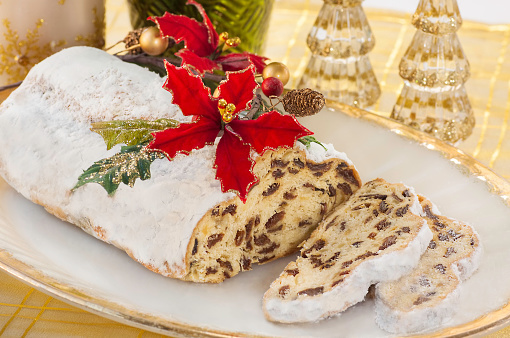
(63, 261)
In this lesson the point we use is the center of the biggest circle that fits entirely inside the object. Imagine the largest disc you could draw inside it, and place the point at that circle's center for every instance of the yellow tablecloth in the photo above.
(26, 312)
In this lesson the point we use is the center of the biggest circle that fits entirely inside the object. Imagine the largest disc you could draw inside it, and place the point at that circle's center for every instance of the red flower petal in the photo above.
(258, 61)
(181, 28)
(189, 93)
(234, 165)
(238, 61)
(185, 138)
(213, 35)
(239, 89)
(200, 64)
(270, 131)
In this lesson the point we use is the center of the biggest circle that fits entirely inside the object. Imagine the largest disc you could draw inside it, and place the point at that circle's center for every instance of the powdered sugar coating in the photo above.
(47, 143)
(316, 152)
(418, 320)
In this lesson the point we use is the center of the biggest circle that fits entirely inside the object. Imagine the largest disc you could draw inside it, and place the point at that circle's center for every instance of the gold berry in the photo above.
(231, 42)
(223, 37)
(230, 108)
(278, 70)
(222, 103)
(151, 41)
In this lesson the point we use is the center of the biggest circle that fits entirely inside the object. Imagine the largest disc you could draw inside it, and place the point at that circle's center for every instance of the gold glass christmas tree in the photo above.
(340, 41)
(434, 69)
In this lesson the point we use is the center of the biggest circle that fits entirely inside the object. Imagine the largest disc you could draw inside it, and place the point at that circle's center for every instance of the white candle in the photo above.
(31, 30)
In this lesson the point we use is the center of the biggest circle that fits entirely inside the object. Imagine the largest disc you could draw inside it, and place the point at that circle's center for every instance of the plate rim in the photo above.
(466, 164)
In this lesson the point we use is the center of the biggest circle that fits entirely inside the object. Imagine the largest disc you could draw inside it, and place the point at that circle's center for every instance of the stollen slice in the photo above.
(427, 297)
(376, 236)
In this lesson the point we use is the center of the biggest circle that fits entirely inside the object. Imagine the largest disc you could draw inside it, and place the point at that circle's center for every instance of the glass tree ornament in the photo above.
(435, 68)
(339, 68)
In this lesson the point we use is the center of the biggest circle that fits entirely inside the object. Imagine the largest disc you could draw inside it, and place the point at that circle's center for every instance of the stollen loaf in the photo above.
(178, 223)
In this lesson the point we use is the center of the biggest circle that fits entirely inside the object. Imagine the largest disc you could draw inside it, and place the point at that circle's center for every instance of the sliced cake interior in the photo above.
(292, 197)
(375, 236)
(427, 297)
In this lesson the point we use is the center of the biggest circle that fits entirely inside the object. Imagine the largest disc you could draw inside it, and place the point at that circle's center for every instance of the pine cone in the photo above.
(303, 102)
(132, 39)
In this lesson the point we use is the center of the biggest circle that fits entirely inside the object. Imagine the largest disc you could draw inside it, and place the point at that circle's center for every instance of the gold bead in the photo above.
(22, 60)
(278, 70)
(231, 42)
(230, 108)
(151, 41)
(222, 103)
(226, 110)
(228, 117)
(222, 38)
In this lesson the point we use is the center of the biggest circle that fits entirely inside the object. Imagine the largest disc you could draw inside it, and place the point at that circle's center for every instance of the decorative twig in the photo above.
(226, 62)
(255, 106)
(115, 44)
(278, 101)
(9, 86)
(158, 62)
(147, 60)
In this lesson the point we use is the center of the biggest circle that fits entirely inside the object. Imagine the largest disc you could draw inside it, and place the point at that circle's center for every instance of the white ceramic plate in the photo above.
(61, 260)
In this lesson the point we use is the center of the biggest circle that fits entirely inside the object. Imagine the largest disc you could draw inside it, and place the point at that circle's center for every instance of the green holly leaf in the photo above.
(131, 163)
(307, 140)
(130, 132)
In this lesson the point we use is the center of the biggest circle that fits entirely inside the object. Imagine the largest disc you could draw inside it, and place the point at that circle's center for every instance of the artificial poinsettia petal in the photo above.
(213, 35)
(269, 131)
(237, 61)
(185, 138)
(200, 64)
(189, 92)
(234, 165)
(238, 89)
(181, 28)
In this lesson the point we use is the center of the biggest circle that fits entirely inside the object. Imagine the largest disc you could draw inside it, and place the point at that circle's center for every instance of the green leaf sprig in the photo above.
(131, 163)
(130, 132)
(307, 140)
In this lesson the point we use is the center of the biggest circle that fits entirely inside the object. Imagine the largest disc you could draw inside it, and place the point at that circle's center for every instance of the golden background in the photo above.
(26, 312)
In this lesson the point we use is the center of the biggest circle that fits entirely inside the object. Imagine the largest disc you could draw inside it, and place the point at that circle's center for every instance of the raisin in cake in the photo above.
(178, 223)
(281, 211)
(426, 298)
(377, 235)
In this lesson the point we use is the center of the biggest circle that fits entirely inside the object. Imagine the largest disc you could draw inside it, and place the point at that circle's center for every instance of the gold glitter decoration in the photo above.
(435, 68)
(130, 132)
(126, 167)
(437, 17)
(95, 39)
(344, 3)
(19, 55)
(61, 2)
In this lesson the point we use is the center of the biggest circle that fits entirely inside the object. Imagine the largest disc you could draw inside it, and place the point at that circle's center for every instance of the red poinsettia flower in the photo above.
(219, 117)
(202, 47)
